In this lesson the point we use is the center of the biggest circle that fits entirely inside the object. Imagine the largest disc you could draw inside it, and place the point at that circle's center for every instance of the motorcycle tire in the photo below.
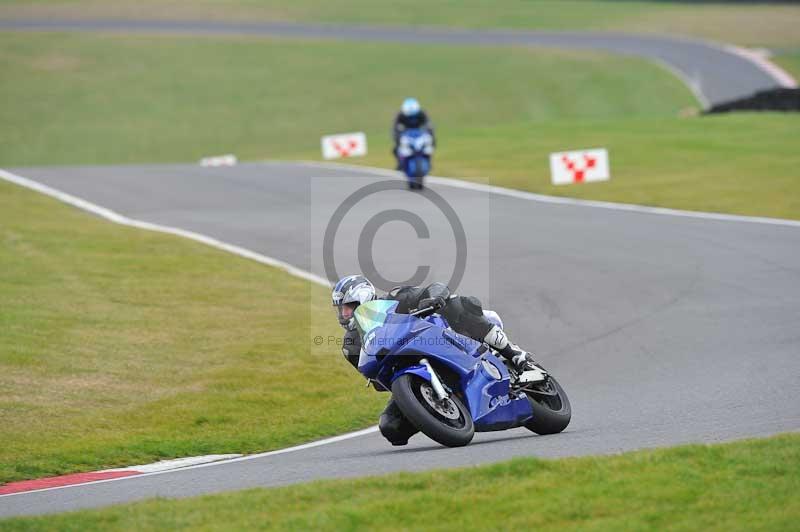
(551, 413)
(447, 422)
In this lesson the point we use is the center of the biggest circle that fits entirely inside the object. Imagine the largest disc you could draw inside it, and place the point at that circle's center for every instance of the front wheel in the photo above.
(446, 421)
(420, 167)
(551, 409)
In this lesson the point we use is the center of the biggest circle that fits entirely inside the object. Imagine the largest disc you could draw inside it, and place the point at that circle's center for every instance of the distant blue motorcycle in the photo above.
(414, 150)
(448, 385)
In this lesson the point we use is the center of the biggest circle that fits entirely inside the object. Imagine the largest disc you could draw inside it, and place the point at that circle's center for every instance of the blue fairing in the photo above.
(411, 166)
(416, 161)
(417, 166)
(393, 344)
(418, 370)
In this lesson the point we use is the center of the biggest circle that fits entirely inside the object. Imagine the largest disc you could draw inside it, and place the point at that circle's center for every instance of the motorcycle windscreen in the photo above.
(373, 314)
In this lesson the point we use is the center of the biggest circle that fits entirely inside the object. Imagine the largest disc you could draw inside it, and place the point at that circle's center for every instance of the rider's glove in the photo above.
(436, 303)
(351, 347)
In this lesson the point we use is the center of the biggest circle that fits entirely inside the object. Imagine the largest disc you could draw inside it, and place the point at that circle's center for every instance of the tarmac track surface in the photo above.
(662, 329)
(714, 72)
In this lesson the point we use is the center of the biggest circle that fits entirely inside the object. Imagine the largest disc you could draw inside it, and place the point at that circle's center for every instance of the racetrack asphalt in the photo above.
(662, 329)
(713, 72)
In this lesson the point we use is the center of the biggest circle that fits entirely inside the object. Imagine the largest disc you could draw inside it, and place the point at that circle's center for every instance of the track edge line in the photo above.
(543, 198)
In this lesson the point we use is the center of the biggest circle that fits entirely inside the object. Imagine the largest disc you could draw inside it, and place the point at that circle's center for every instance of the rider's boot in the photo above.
(521, 360)
(394, 426)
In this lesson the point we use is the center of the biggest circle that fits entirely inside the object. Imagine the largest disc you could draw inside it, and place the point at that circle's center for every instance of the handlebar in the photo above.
(424, 312)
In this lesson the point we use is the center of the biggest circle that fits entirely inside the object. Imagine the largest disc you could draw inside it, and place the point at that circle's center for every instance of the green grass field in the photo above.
(789, 60)
(122, 347)
(745, 23)
(748, 485)
(82, 99)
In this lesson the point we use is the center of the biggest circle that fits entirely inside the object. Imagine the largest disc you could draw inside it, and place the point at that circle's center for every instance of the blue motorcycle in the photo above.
(414, 150)
(448, 385)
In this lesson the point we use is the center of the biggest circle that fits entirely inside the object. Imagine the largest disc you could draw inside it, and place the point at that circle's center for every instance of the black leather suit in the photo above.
(403, 122)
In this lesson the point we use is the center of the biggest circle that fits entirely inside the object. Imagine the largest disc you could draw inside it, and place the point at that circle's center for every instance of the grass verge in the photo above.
(789, 60)
(739, 163)
(747, 23)
(744, 485)
(87, 99)
(121, 347)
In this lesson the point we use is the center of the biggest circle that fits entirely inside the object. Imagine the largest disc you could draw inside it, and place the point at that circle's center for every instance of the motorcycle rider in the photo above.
(464, 314)
(411, 116)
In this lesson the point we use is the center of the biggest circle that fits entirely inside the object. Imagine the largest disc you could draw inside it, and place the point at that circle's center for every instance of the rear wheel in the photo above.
(446, 421)
(551, 409)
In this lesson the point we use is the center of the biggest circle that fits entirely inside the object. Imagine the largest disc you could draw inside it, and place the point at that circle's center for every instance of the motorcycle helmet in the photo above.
(410, 107)
(351, 290)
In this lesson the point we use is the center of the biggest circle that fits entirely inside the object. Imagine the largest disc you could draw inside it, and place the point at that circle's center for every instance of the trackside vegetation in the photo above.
(744, 485)
(110, 99)
(789, 60)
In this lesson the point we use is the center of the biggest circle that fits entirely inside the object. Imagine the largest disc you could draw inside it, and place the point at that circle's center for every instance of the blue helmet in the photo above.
(353, 290)
(410, 107)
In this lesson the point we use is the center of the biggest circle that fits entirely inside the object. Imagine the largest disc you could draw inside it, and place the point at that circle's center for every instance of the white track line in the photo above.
(297, 272)
(123, 220)
(177, 463)
(304, 446)
(242, 252)
(777, 73)
(692, 84)
(530, 196)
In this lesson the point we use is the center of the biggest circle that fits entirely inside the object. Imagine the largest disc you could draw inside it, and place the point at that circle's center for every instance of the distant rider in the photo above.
(464, 314)
(411, 116)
